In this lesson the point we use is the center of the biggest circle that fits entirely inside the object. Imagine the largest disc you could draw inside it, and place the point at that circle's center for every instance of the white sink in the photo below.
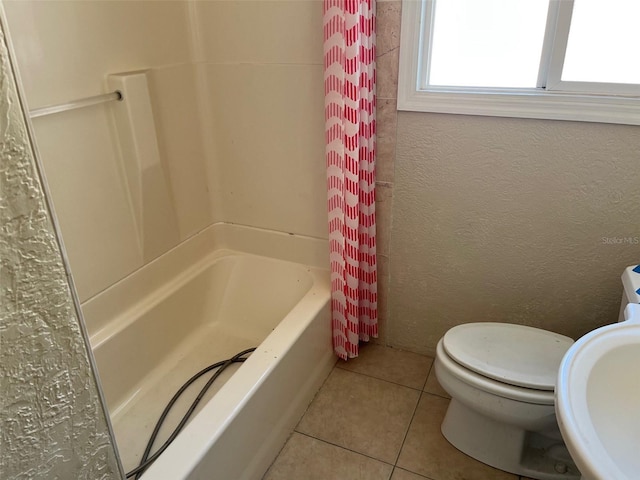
(598, 400)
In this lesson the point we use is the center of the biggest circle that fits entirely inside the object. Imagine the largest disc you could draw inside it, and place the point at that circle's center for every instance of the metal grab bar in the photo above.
(84, 102)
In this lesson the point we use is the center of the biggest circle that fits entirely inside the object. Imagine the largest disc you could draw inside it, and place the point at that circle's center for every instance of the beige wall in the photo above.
(499, 219)
(52, 422)
(506, 220)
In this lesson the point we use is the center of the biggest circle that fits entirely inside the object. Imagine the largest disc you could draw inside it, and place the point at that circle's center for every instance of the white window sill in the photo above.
(542, 105)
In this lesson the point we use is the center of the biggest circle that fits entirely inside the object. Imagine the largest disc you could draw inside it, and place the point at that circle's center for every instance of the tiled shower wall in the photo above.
(388, 50)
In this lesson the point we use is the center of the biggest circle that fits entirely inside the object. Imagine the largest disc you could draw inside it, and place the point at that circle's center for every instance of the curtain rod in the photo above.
(84, 102)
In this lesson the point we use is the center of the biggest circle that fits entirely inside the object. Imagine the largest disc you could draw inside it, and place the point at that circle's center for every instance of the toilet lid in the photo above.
(514, 354)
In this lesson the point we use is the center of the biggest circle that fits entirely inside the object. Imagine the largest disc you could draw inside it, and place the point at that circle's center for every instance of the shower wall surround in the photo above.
(236, 89)
(65, 50)
(51, 421)
(262, 64)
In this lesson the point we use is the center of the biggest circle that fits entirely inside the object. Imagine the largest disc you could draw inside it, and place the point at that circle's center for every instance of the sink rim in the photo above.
(572, 410)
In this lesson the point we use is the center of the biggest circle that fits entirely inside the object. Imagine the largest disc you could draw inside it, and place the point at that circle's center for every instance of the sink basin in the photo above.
(598, 400)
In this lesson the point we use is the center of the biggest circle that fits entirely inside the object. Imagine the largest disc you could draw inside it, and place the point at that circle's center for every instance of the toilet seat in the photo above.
(486, 384)
(517, 355)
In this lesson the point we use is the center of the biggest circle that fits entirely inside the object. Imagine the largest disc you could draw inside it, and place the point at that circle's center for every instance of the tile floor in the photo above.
(377, 417)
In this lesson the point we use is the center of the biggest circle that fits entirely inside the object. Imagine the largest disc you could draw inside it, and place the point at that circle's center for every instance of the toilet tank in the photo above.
(631, 286)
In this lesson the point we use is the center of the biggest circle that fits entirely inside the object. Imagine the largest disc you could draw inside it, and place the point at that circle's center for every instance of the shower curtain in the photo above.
(350, 128)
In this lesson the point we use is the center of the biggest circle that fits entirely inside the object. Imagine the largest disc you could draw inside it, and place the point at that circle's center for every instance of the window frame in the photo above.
(553, 99)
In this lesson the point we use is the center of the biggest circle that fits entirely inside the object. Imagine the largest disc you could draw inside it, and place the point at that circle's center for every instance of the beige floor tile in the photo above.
(425, 450)
(405, 368)
(361, 413)
(432, 385)
(310, 459)
(399, 474)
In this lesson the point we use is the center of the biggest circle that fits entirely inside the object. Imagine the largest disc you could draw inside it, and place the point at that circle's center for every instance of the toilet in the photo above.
(501, 379)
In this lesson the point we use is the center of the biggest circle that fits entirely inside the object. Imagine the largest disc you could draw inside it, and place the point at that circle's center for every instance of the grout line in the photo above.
(404, 439)
(344, 448)
(314, 397)
(378, 378)
(407, 470)
(425, 383)
(391, 50)
(437, 395)
(279, 453)
(429, 373)
(386, 184)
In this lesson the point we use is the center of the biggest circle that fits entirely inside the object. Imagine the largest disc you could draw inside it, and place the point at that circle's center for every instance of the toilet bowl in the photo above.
(502, 405)
(501, 379)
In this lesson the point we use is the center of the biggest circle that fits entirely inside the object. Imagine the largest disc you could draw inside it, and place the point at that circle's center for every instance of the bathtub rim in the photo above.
(206, 428)
(99, 310)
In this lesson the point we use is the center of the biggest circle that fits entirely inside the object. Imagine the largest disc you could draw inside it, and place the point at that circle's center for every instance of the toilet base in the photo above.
(507, 447)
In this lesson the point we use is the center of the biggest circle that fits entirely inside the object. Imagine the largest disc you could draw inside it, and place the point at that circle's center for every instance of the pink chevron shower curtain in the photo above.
(350, 126)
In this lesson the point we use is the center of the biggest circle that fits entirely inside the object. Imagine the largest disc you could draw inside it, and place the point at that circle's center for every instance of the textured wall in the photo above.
(510, 220)
(483, 218)
(52, 424)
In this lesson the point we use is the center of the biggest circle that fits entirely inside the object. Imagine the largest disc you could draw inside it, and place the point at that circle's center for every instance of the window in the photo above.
(555, 59)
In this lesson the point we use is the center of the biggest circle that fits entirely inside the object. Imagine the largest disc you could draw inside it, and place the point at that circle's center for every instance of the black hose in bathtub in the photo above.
(147, 460)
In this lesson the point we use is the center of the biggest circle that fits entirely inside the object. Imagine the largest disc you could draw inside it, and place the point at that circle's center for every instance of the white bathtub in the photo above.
(227, 289)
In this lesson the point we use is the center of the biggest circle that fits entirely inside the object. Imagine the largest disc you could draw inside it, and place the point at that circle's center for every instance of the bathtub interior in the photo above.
(235, 298)
(225, 303)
